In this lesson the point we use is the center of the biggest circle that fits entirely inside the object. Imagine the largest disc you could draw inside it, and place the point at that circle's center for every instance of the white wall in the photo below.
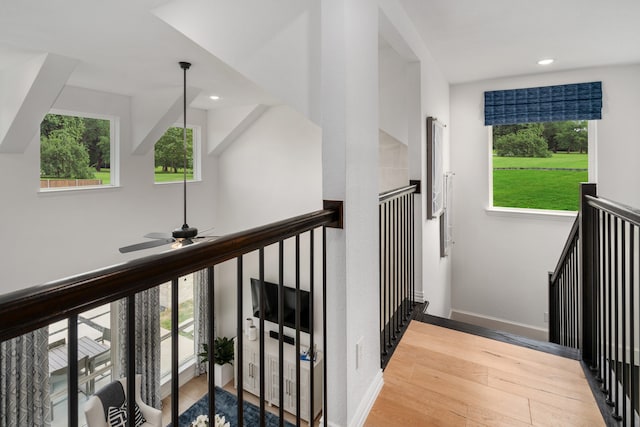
(393, 90)
(271, 172)
(52, 235)
(500, 262)
(393, 169)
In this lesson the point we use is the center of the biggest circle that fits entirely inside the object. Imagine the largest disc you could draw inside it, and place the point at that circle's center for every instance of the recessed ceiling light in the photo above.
(214, 97)
(547, 61)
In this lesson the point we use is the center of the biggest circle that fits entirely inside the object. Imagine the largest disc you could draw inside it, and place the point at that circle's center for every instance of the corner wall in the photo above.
(501, 261)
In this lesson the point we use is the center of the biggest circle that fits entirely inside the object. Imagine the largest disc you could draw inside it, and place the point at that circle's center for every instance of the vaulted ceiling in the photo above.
(122, 46)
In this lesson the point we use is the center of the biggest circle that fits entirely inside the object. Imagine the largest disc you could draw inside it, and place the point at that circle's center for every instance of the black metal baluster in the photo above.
(616, 362)
(632, 363)
(281, 331)
(406, 257)
(211, 340)
(312, 346)
(240, 343)
(131, 359)
(401, 262)
(72, 379)
(623, 304)
(412, 255)
(381, 280)
(601, 295)
(609, 326)
(324, 327)
(297, 321)
(393, 265)
(389, 264)
(263, 306)
(175, 379)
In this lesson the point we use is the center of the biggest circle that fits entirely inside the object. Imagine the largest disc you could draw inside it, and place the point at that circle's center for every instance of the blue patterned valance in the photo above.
(580, 101)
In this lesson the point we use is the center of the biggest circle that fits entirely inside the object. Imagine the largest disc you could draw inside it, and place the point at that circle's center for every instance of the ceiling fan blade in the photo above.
(156, 235)
(145, 245)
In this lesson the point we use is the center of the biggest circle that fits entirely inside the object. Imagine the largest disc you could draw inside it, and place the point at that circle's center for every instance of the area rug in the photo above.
(226, 405)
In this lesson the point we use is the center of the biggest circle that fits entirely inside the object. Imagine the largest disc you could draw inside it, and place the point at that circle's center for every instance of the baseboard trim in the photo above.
(367, 401)
(528, 331)
(419, 296)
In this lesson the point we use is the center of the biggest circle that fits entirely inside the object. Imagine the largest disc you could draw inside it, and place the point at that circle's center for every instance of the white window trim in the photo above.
(197, 155)
(114, 152)
(491, 210)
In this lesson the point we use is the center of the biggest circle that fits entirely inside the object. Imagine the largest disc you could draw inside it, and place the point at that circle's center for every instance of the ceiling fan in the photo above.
(184, 235)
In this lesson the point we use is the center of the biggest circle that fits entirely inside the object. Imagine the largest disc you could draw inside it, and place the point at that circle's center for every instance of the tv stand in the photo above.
(251, 366)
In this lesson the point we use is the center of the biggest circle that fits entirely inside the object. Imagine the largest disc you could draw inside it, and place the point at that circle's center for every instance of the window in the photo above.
(95, 368)
(186, 348)
(76, 151)
(539, 165)
(169, 155)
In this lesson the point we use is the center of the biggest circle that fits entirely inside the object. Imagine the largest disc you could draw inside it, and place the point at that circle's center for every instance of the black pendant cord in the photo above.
(185, 66)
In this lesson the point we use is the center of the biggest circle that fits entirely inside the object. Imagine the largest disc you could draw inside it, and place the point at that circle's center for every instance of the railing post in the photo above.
(589, 271)
(552, 311)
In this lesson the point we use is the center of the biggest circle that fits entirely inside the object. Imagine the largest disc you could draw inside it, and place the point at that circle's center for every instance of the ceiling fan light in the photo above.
(185, 232)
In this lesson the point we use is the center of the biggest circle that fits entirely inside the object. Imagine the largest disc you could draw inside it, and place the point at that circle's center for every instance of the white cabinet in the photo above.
(250, 369)
(251, 373)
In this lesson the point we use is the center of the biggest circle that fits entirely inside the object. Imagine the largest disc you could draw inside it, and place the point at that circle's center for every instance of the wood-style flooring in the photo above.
(442, 377)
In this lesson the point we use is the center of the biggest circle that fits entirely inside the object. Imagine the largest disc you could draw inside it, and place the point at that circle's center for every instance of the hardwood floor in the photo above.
(442, 377)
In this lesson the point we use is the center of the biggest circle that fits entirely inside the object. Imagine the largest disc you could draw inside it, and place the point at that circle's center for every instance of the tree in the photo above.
(572, 136)
(169, 150)
(63, 157)
(525, 142)
(98, 142)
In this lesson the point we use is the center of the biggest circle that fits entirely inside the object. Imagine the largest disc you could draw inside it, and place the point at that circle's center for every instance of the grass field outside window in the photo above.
(539, 183)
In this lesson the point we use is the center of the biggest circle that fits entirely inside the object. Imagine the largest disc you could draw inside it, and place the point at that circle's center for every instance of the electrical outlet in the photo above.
(359, 352)
(546, 317)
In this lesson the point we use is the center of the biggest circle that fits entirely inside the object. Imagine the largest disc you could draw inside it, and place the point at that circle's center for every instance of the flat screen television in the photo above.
(271, 304)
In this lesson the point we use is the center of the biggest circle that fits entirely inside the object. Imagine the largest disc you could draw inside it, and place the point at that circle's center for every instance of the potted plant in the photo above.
(223, 356)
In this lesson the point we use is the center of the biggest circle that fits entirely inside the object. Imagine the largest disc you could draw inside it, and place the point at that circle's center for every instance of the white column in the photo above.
(349, 99)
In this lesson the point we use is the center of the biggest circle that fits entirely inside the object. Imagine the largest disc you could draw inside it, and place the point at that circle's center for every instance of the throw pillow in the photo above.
(117, 417)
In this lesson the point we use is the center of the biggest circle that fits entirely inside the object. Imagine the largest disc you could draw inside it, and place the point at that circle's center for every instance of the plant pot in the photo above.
(223, 374)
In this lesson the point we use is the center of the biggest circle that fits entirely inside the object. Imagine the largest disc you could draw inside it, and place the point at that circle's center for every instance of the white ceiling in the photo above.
(123, 47)
(482, 39)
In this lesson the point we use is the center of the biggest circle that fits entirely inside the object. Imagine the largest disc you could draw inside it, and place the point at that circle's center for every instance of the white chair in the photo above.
(95, 412)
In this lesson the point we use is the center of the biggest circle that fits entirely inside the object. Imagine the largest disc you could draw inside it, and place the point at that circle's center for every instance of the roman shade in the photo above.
(579, 101)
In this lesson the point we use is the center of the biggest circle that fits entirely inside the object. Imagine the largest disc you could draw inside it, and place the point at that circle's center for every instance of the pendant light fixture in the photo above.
(185, 232)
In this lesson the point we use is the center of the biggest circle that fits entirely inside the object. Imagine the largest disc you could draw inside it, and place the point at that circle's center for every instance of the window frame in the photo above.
(536, 212)
(114, 151)
(197, 155)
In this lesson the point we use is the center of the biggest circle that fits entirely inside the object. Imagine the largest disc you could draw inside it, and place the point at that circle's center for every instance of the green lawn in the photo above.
(558, 160)
(170, 176)
(160, 176)
(539, 189)
(104, 175)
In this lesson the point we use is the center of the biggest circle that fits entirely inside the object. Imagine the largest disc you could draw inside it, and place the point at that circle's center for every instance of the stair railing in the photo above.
(607, 308)
(564, 293)
(29, 309)
(397, 265)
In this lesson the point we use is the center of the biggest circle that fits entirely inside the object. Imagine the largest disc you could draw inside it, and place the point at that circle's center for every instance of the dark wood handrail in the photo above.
(620, 210)
(392, 194)
(575, 229)
(32, 308)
